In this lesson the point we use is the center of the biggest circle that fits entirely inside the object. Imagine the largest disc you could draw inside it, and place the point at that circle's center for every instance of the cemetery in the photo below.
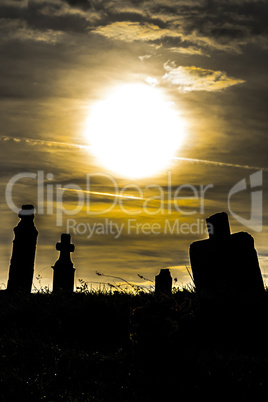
(166, 344)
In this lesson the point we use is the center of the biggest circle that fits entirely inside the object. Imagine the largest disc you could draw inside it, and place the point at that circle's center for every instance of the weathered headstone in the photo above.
(63, 279)
(24, 244)
(163, 282)
(225, 263)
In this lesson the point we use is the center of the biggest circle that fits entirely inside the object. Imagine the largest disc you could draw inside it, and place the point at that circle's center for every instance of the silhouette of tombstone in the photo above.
(163, 282)
(225, 262)
(24, 244)
(218, 226)
(63, 279)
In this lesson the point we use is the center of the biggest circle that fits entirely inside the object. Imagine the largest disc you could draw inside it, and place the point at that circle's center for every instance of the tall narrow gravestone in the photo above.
(225, 262)
(63, 279)
(163, 282)
(24, 244)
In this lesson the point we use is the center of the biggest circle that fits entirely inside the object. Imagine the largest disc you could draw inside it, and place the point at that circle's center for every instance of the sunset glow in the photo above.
(146, 110)
(134, 131)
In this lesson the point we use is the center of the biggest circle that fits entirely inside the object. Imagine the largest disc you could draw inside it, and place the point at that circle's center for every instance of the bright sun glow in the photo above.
(135, 131)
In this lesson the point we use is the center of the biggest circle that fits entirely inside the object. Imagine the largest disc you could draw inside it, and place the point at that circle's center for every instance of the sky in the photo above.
(204, 62)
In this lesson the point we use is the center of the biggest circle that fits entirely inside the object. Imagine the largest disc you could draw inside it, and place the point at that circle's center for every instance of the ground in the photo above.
(125, 347)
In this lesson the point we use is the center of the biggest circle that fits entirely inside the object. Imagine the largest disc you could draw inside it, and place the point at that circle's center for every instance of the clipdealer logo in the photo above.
(170, 199)
(50, 197)
(255, 221)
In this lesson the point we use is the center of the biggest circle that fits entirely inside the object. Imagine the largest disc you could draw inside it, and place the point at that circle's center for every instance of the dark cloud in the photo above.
(216, 25)
(83, 4)
(43, 17)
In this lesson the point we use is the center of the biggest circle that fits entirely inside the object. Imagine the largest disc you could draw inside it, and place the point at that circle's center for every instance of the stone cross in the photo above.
(63, 279)
(163, 282)
(225, 263)
(23, 254)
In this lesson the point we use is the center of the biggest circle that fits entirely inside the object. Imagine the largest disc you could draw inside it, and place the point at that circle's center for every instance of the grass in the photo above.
(123, 346)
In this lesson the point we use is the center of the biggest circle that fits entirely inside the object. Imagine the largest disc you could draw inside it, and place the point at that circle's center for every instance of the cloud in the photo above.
(131, 31)
(15, 29)
(220, 164)
(187, 27)
(15, 3)
(145, 57)
(190, 50)
(151, 81)
(58, 144)
(38, 142)
(188, 79)
(200, 25)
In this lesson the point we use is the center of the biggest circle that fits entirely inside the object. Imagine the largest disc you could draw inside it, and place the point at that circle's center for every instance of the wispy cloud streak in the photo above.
(33, 141)
(102, 194)
(221, 164)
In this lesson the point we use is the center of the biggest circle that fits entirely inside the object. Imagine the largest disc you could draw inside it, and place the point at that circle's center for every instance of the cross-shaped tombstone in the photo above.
(225, 263)
(24, 244)
(63, 279)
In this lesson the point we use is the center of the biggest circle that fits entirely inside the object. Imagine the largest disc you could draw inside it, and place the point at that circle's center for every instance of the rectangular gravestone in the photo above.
(163, 282)
(225, 263)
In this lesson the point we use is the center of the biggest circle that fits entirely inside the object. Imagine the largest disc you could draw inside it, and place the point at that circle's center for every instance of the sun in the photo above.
(134, 131)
